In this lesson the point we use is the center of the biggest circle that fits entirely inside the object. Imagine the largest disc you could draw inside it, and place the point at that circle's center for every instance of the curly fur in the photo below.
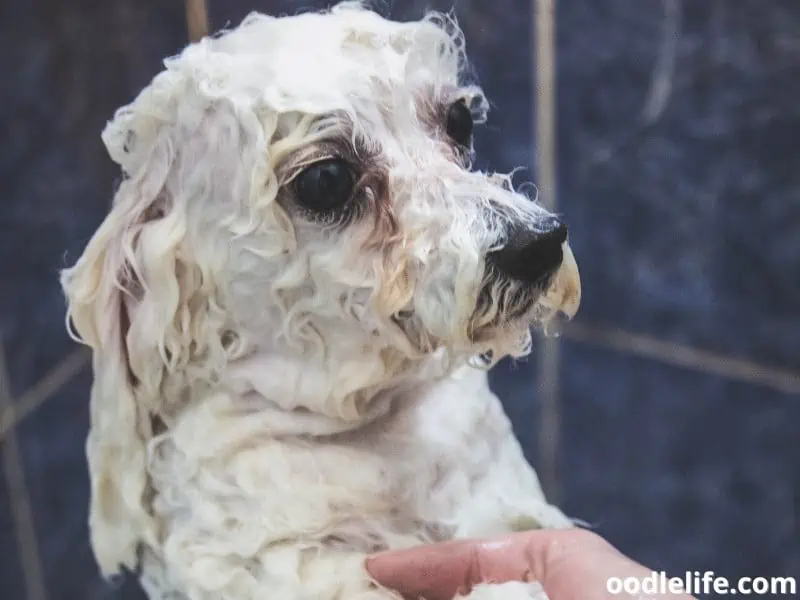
(276, 395)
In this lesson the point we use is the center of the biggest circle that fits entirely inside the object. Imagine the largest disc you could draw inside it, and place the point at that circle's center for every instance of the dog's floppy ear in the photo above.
(100, 289)
(144, 294)
(138, 298)
(133, 300)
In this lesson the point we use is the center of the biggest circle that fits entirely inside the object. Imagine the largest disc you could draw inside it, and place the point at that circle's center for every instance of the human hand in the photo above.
(570, 564)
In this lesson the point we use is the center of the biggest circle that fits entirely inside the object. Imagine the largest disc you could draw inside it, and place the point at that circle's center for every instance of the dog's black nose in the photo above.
(531, 256)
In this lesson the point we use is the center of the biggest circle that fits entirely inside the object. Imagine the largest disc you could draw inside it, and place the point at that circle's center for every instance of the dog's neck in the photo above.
(313, 397)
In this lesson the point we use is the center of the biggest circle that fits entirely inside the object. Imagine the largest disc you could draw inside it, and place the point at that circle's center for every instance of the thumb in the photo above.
(441, 571)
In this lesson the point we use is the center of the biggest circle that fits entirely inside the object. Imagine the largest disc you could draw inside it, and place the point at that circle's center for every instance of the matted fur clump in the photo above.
(291, 305)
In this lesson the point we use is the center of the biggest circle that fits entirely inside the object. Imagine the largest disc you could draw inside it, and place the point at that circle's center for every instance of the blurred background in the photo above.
(667, 415)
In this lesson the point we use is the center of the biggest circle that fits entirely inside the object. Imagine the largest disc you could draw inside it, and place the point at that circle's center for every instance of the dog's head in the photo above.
(300, 188)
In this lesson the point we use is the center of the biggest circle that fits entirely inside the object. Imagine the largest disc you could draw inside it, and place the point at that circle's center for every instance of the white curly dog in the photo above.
(292, 305)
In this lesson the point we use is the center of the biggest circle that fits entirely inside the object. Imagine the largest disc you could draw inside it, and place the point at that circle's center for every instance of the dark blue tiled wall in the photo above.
(684, 470)
(10, 567)
(687, 227)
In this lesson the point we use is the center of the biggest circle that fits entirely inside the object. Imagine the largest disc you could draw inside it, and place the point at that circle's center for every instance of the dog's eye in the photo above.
(459, 123)
(325, 185)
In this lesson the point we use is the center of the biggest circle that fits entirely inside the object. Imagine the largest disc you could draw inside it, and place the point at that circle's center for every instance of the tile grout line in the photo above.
(549, 350)
(197, 22)
(687, 357)
(46, 387)
(19, 498)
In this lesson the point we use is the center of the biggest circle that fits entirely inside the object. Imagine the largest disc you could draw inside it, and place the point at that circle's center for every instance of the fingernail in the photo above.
(371, 563)
(383, 566)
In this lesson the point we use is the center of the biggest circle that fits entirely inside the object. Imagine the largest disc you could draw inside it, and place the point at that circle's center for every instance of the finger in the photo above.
(434, 572)
(440, 571)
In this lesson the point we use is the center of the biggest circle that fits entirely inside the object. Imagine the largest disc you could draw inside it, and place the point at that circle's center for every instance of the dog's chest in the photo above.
(405, 478)
(434, 451)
